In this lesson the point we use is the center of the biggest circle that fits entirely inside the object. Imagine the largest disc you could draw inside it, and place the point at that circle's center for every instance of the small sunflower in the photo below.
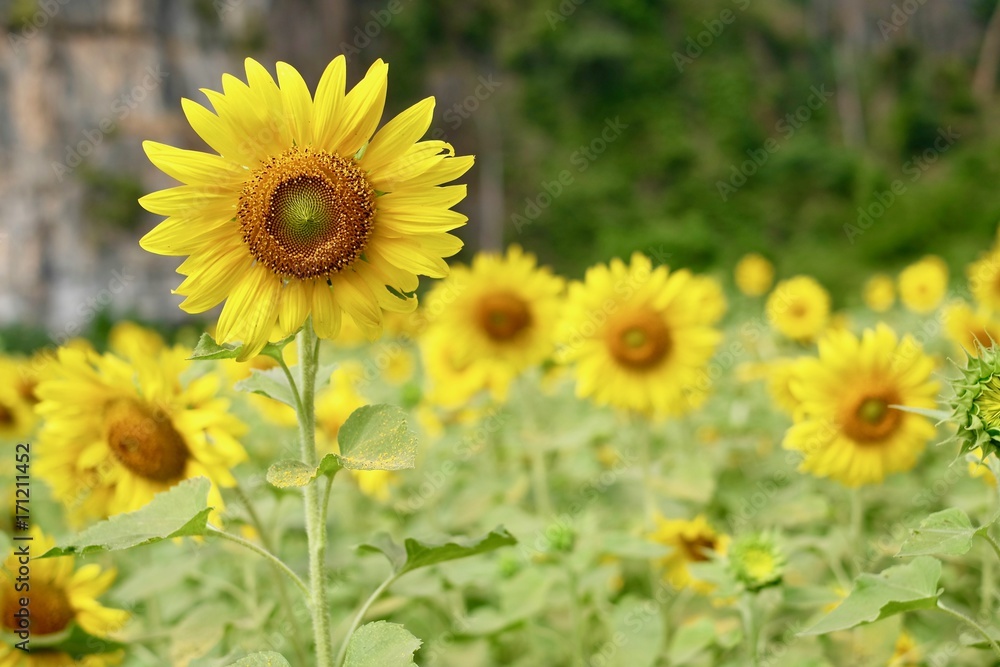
(692, 541)
(59, 596)
(923, 284)
(756, 560)
(799, 308)
(116, 433)
(636, 338)
(970, 329)
(879, 293)
(754, 274)
(501, 313)
(301, 210)
(845, 426)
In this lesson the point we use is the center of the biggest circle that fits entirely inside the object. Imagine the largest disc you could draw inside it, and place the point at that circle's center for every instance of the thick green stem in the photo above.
(971, 623)
(356, 621)
(314, 507)
(274, 560)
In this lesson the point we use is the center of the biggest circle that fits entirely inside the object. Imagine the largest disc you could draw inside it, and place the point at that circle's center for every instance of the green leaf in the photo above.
(276, 349)
(271, 383)
(415, 554)
(377, 437)
(381, 644)
(177, 512)
(640, 625)
(690, 640)
(895, 590)
(265, 659)
(948, 533)
(290, 472)
(207, 349)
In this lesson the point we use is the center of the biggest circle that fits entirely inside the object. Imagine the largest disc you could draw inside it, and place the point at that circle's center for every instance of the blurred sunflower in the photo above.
(906, 652)
(984, 280)
(59, 596)
(979, 468)
(302, 210)
(454, 379)
(845, 427)
(131, 340)
(17, 415)
(799, 308)
(922, 285)
(779, 379)
(753, 274)
(879, 293)
(692, 542)
(636, 338)
(501, 313)
(116, 433)
(968, 329)
(710, 297)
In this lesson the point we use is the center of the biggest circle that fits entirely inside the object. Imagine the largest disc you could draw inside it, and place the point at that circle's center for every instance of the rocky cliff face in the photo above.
(82, 84)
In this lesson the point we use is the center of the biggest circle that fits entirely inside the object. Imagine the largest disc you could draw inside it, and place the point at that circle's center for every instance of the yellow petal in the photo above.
(329, 104)
(192, 167)
(295, 301)
(398, 135)
(250, 311)
(215, 131)
(325, 311)
(444, 171)
(419, 220)
(362, 110)
(179, 236)
(357, 299)
(417, 160)
(298, 104)
(211, 278)
(192, 201)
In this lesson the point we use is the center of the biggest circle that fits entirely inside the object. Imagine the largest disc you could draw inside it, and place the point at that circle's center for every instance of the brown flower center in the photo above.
(639, 340)
(48, 606)
(869, 419)
(307, 214)
(6, 415)
(502, 315)
(698, 549)
(144, 441)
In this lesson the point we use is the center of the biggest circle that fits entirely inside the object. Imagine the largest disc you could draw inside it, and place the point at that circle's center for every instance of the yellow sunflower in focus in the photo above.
(845, 427)
(970, 329)
(879, 293)
(922, 285)
(636, 338)
(305, 208)
(799, 308)
(754, 274)
(692, 542)
(59, 596)
(116, 433)
(501, 313)
(17, 415)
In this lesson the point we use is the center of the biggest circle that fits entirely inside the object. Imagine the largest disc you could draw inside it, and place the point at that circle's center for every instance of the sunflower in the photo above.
(116, 433)
(17, 416)
(302, 210)
(879, 293)
(754, 274)
(453, 379)
(636, 338)
(845, 426)
(968, 329)
(691, 542)
(799, 308)
(757, 560)
(59, 596)
(984, 280)
(922, 285)
(501, 313)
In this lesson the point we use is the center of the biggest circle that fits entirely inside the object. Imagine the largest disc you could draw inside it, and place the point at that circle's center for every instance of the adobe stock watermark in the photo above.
(915, 168)
(902, 12)
(121, 107)
(695, 46)
(581, 158)
(787, 126)
(45, 12)
(363, 35)
(565, 9)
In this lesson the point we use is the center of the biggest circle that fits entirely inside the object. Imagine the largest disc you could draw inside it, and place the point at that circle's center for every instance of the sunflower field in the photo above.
(364, 450)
